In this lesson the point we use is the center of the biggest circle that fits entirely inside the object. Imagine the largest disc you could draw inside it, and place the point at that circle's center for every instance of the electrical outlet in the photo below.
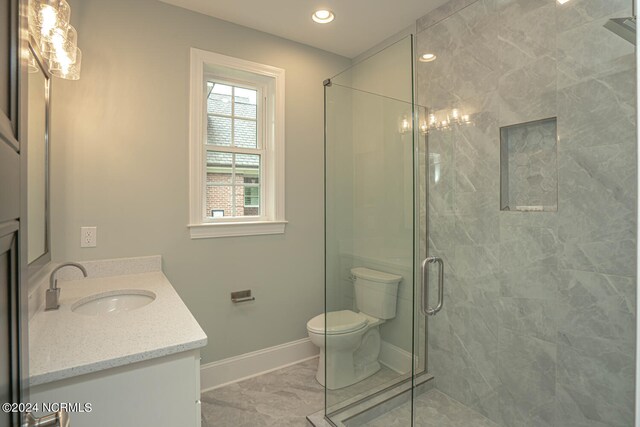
(88, 237)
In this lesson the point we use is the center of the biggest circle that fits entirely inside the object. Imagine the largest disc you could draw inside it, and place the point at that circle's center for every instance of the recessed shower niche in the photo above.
(528, 166)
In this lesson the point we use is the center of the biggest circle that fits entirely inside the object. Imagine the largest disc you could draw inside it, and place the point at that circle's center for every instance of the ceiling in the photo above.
(359, 24)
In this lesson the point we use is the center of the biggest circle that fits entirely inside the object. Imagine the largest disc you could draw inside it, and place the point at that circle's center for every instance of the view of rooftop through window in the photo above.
(233, 170)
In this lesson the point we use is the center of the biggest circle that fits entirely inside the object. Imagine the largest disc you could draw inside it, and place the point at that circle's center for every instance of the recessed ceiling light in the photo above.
(562, 1)
(427, 57)
(323, 16)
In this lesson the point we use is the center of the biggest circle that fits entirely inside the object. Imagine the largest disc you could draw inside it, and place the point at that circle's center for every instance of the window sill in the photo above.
(236, 229)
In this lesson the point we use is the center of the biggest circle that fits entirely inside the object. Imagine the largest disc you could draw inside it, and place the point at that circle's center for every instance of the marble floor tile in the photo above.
(383, 378)
(433, 409)
(281, 398)
(285, 398)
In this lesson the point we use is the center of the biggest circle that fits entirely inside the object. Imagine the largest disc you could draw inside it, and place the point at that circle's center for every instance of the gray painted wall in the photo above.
(120, 162)
(538, 327)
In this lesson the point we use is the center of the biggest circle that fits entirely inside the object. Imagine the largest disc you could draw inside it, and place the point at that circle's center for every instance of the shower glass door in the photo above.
(370, 222)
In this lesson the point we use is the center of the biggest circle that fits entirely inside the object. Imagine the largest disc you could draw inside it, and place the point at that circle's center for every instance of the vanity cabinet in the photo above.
(160, 392)
(136, 368)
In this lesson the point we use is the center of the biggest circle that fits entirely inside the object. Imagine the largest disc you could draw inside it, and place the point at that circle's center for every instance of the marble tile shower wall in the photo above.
(538, 327)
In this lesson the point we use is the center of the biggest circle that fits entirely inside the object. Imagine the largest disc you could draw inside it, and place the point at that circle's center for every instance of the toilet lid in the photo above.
(338, 322)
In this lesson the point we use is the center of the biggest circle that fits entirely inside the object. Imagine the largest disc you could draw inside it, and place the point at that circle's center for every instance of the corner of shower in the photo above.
(373, 357)
(509, 177)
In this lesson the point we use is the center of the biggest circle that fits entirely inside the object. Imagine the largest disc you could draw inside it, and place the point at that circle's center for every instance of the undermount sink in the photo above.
(113, 302)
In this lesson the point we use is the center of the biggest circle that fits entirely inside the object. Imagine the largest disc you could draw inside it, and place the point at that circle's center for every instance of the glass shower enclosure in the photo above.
(371, 155)
(501, 139)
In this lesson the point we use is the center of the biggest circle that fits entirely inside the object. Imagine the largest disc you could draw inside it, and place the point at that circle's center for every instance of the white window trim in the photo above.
(273, 219)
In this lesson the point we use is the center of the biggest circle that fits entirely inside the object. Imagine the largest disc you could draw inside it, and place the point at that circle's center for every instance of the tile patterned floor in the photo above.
(280, 398)
(433, 409)
(385, 377)
(285, 397)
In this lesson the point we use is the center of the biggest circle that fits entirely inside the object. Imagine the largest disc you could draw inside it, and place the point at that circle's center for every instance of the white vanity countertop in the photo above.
(64, 344)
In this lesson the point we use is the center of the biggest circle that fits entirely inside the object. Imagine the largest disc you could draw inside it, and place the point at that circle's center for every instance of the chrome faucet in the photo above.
(53, 293)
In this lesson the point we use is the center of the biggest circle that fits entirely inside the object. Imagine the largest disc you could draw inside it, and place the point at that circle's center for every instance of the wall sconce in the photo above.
(405, 125)
(55, 38)
(444, 120)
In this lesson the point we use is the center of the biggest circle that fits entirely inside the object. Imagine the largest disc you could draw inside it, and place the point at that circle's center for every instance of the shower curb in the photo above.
(367, 409)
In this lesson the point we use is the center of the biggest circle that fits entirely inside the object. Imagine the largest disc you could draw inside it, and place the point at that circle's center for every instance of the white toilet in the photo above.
(353, 339)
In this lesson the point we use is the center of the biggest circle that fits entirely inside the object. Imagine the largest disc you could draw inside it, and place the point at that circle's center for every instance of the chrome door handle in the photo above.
(57, 419)
(426, 310)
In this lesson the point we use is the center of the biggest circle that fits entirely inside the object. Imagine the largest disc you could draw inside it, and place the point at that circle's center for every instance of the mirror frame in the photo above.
(36, 265)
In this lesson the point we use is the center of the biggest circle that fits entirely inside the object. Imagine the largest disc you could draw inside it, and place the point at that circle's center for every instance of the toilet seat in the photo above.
(338, 322)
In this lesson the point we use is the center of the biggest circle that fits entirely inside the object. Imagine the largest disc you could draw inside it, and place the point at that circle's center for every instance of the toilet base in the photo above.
(365, 372)
(345, 367)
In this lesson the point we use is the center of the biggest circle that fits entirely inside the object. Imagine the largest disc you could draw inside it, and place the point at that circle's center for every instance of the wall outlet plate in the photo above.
(88, 237)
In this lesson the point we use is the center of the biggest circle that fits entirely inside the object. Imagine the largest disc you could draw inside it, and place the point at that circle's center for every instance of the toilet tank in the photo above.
(376, 292)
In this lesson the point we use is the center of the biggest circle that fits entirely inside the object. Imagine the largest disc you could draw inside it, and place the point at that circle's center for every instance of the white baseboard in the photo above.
(395, 358)
(228, 371)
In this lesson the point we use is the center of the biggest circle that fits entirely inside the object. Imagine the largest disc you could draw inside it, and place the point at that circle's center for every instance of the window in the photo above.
(232, 122)
(236, 147)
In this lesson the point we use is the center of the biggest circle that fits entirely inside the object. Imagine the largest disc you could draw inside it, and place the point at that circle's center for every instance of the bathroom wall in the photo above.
(538, 326)
(120, 162)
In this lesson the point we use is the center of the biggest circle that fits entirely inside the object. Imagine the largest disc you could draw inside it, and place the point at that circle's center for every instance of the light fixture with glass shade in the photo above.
(62, 66)
(405, 125)
(56, 40)
(444, 120)
(49, 15)
(62, 40)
